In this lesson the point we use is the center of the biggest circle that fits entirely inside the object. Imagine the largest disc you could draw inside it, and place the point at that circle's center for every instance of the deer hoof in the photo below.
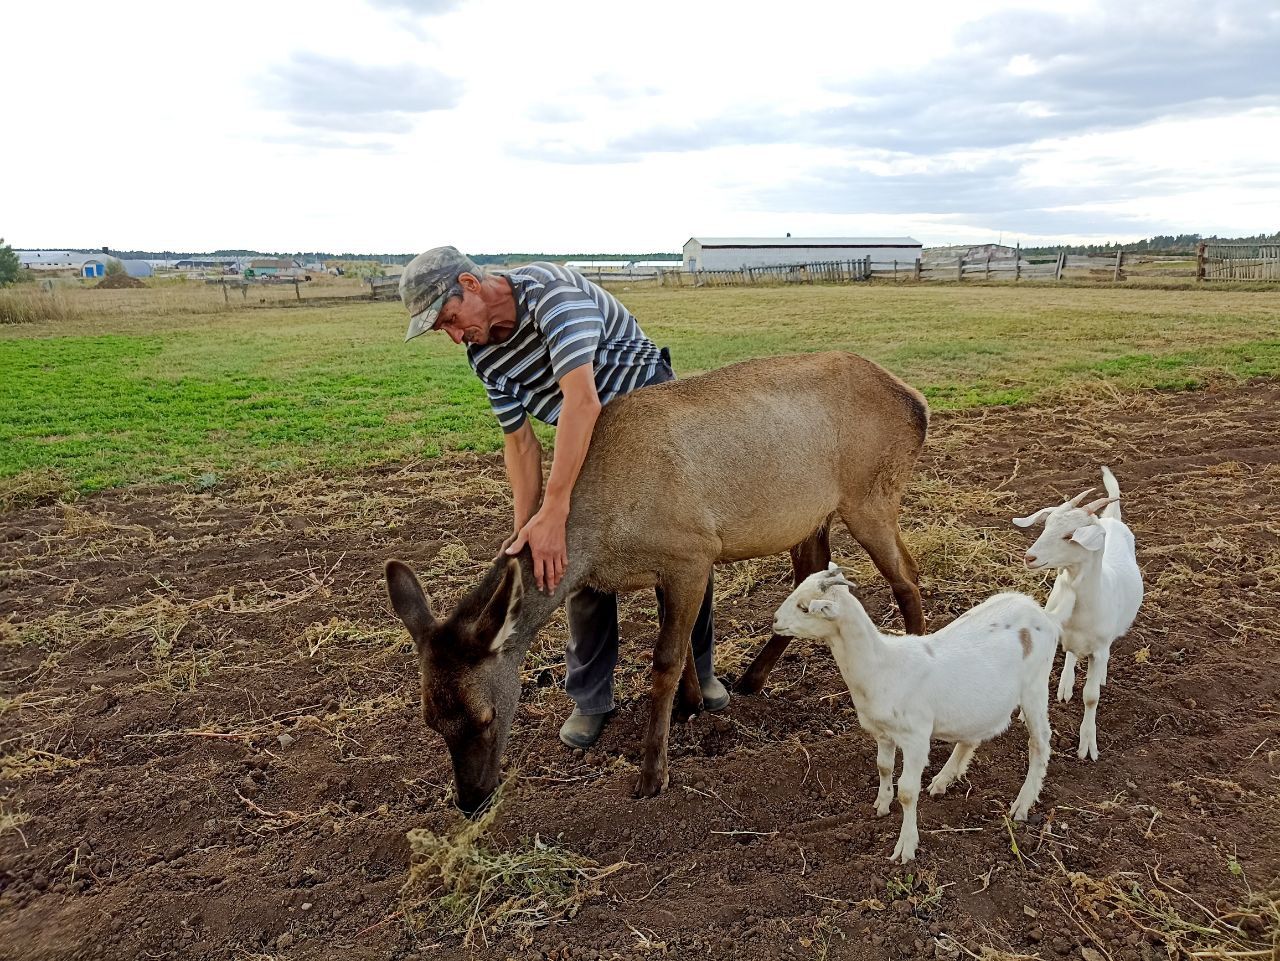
(748, 684)
(651, 785)
(684, 710)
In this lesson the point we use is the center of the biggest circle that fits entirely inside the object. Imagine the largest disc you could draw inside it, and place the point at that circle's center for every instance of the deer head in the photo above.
(470, 664)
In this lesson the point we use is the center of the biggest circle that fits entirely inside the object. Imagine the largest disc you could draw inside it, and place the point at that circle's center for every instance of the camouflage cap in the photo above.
(425, 282)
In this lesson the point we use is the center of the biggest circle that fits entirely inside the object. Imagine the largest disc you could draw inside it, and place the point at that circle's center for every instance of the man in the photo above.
(548, 343)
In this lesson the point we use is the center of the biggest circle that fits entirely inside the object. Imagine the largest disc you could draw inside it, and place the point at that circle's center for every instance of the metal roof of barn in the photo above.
(806, 241)
(69, 258)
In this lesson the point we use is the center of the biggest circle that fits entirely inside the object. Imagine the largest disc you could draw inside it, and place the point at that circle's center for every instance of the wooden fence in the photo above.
(820, 272)
(384, 288)
(1237, 261)
(1112, 268)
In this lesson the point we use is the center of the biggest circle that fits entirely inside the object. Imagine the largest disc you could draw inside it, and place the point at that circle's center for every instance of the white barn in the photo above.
(83, 265)
(734, 253)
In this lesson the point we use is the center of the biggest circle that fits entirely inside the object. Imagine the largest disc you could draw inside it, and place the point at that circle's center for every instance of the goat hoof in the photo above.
(883, 809)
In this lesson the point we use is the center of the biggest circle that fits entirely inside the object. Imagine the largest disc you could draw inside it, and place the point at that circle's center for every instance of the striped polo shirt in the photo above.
(563, 321)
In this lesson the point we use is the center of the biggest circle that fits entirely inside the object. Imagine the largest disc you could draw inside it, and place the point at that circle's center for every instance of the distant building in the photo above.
(734, 253)
(137, 268)
(971, 252)
(653, 266)
(622, 268)
(64, 261)
(273, 267)
(597, 266)
(205, 263)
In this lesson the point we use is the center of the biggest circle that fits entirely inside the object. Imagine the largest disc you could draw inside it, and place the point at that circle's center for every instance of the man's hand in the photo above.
(544, 533)
(545, 536)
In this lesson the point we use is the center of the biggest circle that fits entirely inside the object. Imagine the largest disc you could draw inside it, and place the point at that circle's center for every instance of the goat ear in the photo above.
(1091, 537)
(825, 609)
(1100, 503)
(501, 608)
(410, 602)
(1035, 518)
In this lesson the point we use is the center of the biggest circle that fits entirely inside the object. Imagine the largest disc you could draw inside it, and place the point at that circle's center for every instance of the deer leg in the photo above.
(682, 599)
(811, 555)
(689, 699)
(880, 537)
(689, 702)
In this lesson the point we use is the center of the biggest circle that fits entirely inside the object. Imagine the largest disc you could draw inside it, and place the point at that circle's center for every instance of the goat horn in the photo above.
(1075, 501)
(1100, 503)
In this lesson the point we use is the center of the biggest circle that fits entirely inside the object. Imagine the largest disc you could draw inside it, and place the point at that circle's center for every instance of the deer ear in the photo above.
(1091, 537)
(409, 601)
(497, 620)
(1035, 518)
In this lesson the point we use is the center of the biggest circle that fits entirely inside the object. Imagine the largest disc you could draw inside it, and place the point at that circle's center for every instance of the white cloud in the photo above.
(581, 126)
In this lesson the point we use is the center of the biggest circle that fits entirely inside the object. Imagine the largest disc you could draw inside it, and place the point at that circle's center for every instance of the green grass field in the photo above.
(143, 389)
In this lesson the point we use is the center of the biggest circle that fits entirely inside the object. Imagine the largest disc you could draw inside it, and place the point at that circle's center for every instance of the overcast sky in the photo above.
(397, 125)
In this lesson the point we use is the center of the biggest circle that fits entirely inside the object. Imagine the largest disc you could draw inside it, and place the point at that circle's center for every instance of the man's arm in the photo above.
(545, 533)
(523, 456)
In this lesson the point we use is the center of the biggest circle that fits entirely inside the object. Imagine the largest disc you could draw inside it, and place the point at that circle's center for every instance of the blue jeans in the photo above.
(592, 653)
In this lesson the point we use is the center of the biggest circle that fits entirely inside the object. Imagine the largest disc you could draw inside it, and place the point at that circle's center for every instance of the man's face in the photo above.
(465, 319)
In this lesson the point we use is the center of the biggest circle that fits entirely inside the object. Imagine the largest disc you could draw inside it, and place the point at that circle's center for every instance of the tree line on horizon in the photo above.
(1160, 243)
(314, 255)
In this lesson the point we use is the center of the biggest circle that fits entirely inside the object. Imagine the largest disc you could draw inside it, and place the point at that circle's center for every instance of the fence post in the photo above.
(916, 272)
(297, 294)
(1200, 251)
(1062, 260)
(960, 267)
(1119, 260)
(987, 274)
(224, 292)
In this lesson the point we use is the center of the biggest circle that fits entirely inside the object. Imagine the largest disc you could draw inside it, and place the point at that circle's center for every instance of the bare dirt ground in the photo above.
(211, 748)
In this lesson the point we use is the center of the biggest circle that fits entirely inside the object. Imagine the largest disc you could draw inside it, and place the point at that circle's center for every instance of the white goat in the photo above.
(960, 685)
(1100, 567)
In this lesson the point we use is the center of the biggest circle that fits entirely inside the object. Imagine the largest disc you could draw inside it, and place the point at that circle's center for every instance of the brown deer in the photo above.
(744, 461)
